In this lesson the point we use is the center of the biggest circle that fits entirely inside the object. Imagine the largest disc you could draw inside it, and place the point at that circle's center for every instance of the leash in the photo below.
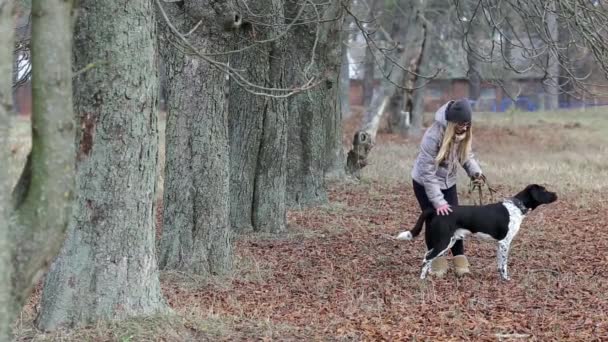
(478, 185)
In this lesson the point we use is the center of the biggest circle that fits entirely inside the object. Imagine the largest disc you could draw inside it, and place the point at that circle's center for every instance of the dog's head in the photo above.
(534, 195)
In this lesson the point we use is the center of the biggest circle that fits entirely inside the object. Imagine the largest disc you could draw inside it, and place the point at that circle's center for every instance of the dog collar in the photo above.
(519, 204)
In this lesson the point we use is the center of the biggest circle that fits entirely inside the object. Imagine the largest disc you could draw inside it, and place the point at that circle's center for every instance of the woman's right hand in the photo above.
(444, 210)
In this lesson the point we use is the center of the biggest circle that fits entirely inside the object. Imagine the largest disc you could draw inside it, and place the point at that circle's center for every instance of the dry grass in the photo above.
(565, 150)
(335, 276)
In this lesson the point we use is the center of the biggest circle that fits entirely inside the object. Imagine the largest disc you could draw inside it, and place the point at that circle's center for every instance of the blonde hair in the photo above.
(448, 139)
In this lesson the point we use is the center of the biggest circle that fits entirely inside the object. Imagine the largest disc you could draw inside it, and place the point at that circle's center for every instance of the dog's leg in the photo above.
(503, 258)
(426, 263)
(431, 255)
(426, 266)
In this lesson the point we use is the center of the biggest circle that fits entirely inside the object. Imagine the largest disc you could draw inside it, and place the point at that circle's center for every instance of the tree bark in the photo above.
(107, 268)
(315, 54)
(369, 78)
(474, 76)
(196, 227)
(335, 156)
(258, 127)
(415, 99)
(345, 79)
(8, 309)
(399, 36)
(369, 66)
(33, 221)
(473, 59)
(552, 89)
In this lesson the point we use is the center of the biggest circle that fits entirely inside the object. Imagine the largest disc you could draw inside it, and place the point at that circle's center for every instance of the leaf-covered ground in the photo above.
(337, 277)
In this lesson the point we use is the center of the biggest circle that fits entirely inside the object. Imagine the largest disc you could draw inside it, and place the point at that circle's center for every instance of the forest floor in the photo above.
(335, 276)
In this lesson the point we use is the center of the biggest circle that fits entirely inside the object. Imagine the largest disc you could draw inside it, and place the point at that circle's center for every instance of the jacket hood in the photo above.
(440, 114)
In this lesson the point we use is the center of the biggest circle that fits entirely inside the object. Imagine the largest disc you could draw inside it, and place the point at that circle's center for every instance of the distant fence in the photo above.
(531, 104)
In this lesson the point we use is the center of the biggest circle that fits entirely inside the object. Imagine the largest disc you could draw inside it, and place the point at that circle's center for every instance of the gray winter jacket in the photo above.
(443, 176)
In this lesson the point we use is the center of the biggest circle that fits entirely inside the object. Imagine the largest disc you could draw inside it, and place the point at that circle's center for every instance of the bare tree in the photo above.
(107, 268)
(531, 29)
(401, 72)
(33, 222)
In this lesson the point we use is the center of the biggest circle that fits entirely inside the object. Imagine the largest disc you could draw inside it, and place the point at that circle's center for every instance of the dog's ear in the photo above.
(535, 192)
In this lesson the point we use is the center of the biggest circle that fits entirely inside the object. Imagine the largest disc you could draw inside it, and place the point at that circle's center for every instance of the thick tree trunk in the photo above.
(107, 267)
(196, 228)
(33, 222)
(307, 148)
(8, 309)
(258, 127)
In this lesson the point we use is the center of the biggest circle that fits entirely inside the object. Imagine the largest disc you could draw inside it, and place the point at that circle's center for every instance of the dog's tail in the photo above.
(411, 234)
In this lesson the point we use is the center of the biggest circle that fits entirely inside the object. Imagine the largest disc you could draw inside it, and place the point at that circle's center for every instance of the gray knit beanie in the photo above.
(459, 111)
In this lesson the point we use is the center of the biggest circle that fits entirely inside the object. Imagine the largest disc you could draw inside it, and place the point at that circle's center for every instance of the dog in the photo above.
(497, 221)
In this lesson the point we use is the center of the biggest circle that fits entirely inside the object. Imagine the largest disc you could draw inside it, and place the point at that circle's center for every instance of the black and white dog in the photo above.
(499, 221)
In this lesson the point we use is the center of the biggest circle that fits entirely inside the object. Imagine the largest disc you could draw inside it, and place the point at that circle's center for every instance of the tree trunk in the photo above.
(33, 222)
(335, 156)
(107, 267)
(307, 147)
(369, 77)
(415, 98)
(474, 76)
(345, 79)
(396, 104)
(509, 85)
(369, 66)
(408, 57)
(8, 309)
(552, 89)
(473, 58)
(196, 227)
(565, 40)
(258, 130)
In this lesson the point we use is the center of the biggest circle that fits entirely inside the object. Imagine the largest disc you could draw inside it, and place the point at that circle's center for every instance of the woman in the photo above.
(445, 144)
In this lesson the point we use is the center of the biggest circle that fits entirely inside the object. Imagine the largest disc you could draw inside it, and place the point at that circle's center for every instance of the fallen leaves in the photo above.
(336, 276)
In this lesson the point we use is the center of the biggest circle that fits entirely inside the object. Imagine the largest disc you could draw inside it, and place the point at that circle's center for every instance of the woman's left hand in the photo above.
(478, 179)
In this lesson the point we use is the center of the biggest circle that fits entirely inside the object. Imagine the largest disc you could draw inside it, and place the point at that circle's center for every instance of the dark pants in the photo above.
(451, 196)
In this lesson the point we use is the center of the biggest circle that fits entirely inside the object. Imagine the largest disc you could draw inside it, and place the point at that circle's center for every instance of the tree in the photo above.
(369, 66)
(314, 50)
(406, 105)
(196, 227)
(33, 221)
(531, 31)
(552, 88)
(107, 267)
(258, 124)
(473, 55)
(402, 77)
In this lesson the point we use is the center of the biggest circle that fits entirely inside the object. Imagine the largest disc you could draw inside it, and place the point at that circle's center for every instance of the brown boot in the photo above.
(461, 265)
(439, 267)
